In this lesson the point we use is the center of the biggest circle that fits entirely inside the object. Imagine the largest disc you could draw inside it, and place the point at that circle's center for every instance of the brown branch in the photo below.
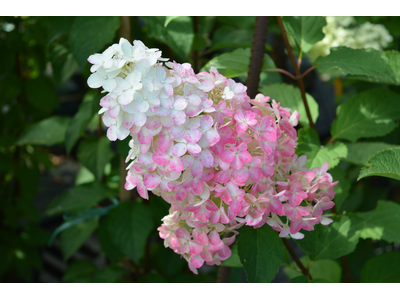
(257, 55)
(125, 29)
(196, 62)
(223, 274)
(331, 140)
(308, 71)
(346, 269)
(303, 269)
(283, 72)
(296, 70)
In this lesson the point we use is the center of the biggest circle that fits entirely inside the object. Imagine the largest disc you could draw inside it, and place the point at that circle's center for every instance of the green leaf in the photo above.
(127, 227)
(309, 145)
(384, 268)
(10, 88)
(305, 30)
(290, 96)
(79, 269)
(381, 223)
(47, 132)
(233, 260)
(331, 241)
(230, 37)
(41, 94)
(89, 35)
(81, 119)
(367, 114)
(109, 274)
(368, 64)
(153, 278)
(178, 35)
(321, 270)
(94, 154)
(320, 280)
(299, 279)
(84, 176)
(73, 237)
(342, 188)
(236, 63)
(325, 270)
(59, 27)
(331, 153)
(63, 63)
(79, 197)
(261, 252)
(393, 57)
(361, 152)
(84, 271)
(385, 163)
(168, 19)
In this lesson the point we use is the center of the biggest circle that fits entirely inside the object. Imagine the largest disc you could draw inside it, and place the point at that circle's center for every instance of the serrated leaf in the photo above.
(290, 96)
(309, 145)
(359, 153)
(385, 163)
(89, 35)
(127, 228)
(47, 132)
(236, 63)
(367, 114)
(305, 30)
(384, 268)
(372, 64)
(94, 154)
(393, 57)
(381, 223)
(178, 35)
(331, 241)
(81, 119)
(261, 252)
(73, 237)
(79, 197)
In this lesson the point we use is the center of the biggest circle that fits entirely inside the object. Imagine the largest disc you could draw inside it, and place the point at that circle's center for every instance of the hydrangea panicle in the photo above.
(219, 158)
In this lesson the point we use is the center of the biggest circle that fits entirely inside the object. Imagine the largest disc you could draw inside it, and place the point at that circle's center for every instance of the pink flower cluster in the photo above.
(220, 159)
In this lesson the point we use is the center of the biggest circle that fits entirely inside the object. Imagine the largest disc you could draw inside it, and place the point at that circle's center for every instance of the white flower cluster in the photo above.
(338, 33)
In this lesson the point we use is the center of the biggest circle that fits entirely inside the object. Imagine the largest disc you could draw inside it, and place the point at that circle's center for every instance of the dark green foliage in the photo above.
(49, 122)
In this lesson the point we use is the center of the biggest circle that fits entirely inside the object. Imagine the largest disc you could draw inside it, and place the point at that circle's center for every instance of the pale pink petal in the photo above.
(152, 180)
(196, 261)
(206, 122)
(139, 119)
(113, 112)
(160, 158)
